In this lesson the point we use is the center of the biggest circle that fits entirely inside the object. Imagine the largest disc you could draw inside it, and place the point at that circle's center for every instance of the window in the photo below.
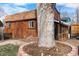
(8, 25)
(31, 24)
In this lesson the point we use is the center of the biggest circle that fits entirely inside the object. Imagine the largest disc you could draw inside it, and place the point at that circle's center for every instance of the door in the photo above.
(56, 31)
(18, 30)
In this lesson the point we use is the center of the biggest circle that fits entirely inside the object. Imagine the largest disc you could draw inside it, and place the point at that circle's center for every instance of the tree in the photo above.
(2, 16)
(1, 30)
(46, 25)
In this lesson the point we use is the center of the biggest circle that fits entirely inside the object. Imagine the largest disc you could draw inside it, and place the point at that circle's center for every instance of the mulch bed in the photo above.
(58, 50)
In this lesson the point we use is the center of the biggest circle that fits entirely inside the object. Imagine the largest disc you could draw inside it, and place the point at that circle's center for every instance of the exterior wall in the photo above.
(19, 24)
(20, 29)
(56, 30)
(63, 36)
(56, 15)
(21, 16)
(64, 28)
(74, 29)
(60, 30)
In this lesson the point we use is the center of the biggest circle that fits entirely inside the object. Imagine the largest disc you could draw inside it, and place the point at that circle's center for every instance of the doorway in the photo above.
(56, 31)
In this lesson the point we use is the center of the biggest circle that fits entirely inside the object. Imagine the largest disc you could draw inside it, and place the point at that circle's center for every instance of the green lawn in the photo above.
(9, 50)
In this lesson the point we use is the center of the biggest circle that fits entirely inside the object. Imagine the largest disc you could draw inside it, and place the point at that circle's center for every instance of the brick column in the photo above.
(45, 19)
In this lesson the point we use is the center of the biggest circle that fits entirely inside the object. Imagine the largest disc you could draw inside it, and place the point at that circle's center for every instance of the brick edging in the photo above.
(74, 51)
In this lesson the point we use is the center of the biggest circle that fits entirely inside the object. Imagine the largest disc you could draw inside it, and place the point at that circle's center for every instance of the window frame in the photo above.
(8, 24)
(32, 24)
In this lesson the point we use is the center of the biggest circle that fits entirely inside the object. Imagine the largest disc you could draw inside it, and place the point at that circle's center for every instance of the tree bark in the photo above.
(45, 17)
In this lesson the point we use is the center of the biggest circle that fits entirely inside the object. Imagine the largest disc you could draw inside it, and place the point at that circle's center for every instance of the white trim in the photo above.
(56, 21)
(64, 23)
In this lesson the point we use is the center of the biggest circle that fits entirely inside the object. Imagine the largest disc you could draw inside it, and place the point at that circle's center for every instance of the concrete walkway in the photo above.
(15, 42)
(74, 42)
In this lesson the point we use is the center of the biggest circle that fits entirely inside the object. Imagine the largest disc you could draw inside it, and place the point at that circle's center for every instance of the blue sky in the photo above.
(12, 8)
(70, 9)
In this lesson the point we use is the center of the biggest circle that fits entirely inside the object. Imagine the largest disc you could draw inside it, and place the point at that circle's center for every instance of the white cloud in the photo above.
(12, 10)
(2, 12)
(20, 4)
(60, 3)
(73, 5)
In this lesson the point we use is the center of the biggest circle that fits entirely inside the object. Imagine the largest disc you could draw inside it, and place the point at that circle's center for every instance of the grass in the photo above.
(9, 50)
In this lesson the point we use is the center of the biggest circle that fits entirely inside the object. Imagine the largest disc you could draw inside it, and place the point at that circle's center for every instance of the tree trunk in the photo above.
(45, 17)
(1, 33)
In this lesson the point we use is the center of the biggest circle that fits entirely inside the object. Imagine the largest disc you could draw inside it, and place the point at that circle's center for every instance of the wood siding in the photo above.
(21, 16)
(56, 16)
(19, 24)
(20, 29)
(74, 29)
